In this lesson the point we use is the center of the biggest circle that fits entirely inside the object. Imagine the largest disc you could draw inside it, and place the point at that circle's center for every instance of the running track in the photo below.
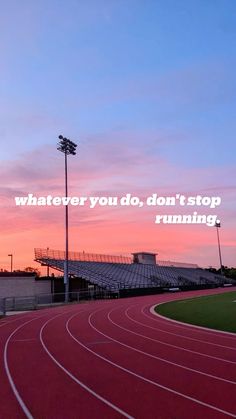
(114, 359)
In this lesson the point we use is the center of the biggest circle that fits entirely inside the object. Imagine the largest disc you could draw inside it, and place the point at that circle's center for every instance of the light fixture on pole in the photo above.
(11, 256)
(218, 225)
(67, 147)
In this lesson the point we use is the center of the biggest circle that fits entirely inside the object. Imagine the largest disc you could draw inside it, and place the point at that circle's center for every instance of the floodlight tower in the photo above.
(218, 225)
(67, 147)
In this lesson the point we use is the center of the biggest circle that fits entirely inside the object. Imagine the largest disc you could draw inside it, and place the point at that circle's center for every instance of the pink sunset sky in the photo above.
(111, 171)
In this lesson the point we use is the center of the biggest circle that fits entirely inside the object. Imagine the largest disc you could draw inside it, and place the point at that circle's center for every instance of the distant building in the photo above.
(22, 284)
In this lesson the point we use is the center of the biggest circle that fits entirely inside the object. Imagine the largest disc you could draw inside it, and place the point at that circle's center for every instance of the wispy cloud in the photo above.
(114, 170)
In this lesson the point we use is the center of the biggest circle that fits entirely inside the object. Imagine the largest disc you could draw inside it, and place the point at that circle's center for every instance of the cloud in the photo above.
(113, 167)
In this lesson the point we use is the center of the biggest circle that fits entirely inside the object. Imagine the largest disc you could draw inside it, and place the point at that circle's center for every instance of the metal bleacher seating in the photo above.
(121, 273)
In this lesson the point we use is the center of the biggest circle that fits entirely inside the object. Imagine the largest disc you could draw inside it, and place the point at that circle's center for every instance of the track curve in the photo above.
(114, 359)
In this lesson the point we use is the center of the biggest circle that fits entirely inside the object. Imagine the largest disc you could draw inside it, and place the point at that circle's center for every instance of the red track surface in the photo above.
(114, 359)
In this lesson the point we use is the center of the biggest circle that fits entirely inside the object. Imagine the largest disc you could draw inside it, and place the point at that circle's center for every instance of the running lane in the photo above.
(113, 359)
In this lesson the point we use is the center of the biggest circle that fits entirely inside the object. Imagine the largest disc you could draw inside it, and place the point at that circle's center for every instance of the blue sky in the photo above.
(99, 66)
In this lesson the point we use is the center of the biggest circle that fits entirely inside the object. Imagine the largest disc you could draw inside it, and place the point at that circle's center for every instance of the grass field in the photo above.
(214, 311)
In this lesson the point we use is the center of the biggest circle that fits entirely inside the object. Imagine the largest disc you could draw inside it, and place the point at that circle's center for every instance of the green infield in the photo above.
(214, 311)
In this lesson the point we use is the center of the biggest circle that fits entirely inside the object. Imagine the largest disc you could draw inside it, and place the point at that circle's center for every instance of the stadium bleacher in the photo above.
(116, 272)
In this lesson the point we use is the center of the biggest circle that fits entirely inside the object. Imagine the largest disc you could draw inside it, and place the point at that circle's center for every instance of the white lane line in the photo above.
(24, 340)
(84, 386)
(187, 350)
(9, 376)
(176, 334)
(138, 375)
(99, 342)
(229, 335)
(163, 359)
(7, 369)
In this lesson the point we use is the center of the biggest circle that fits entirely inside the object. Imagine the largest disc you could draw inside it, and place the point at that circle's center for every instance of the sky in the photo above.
(147, 89)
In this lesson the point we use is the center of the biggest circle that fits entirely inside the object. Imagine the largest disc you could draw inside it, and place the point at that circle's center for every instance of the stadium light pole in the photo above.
(217, 225)
(47, 264)
(67, 147)
(11, 256)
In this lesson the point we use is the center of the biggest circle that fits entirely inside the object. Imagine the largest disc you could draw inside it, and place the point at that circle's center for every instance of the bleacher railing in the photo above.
(80, 256)
(170, 264)
(42, 254)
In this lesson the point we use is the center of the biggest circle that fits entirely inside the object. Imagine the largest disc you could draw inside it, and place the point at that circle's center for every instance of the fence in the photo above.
(35, 302)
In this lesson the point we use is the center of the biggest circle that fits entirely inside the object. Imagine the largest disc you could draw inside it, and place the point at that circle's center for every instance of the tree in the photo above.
(228, 272)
